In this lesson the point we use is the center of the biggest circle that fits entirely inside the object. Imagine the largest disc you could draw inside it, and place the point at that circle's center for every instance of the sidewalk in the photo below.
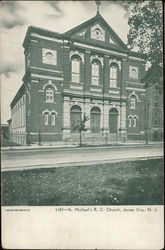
(61, 145)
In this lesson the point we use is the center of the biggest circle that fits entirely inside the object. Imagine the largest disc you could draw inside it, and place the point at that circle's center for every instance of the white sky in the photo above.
(59, 16)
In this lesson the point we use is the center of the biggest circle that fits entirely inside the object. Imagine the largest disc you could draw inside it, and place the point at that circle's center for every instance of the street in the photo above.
(26, 159)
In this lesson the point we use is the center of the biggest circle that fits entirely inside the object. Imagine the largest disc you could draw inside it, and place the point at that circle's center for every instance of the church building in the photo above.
(86, 70)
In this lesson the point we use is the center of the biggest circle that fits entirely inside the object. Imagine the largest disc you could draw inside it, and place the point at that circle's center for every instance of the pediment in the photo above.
(96, 31)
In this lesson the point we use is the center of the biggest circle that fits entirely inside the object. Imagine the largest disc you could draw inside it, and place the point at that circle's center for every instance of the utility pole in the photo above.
(146, 117)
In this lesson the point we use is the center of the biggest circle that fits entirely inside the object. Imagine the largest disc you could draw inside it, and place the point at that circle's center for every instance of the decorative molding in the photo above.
(46, 77)
(49, 84)
(97, 33)
(95, 89)
(47, 38)
(49, 56)
(82, 33)
(54, 71)
(133, 93)
(81, 55)
(114, 92)
(35, 81)
(108, 51)
(136, 58)
(54, 111)
(133, 116)
(116, 107)
(97, 58)
(77, 104)
(139, 83)
(111, 40)
(49, 112)
(115, 61)
(76, 87)
(135, 89)
(45, 111)
(35, 41)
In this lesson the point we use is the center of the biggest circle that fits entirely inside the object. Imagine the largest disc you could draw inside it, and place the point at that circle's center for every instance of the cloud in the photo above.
(11, 15)
(11, 6)
(9, 86)
(58, 16)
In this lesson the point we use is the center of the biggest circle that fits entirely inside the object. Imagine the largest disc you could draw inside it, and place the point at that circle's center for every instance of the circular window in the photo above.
(49, 56)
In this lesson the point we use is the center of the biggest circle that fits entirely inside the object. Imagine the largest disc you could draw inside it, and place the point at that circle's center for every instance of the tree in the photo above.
(80, 126)
(146, 33)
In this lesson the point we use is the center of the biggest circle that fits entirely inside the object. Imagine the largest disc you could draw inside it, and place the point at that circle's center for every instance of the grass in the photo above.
(122, 183)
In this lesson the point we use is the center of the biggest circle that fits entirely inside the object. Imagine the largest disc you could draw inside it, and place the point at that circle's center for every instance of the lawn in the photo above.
(123, 183)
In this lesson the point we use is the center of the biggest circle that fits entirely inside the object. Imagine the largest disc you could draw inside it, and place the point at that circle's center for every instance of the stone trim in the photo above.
(46, 77)
(46, 38)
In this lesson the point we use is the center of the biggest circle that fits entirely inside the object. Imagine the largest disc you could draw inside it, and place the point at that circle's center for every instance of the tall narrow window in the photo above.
(46, 119)
(75, 118)
(132, 102)
(95, 120)
(113, 75)
(75, 69)
(49, 95)
(133, 72)
(130, 121)
(53, 119)
(134, 122)
(113, 120)
(95, 73)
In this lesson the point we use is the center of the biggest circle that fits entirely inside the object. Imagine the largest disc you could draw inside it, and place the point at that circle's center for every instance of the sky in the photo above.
(58, 16)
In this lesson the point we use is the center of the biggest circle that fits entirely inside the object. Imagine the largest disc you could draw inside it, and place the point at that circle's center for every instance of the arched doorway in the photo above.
(113, 117)
(95, 120)
(75, 117)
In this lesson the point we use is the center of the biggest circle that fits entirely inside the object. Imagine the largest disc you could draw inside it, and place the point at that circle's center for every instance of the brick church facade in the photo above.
(87, 69)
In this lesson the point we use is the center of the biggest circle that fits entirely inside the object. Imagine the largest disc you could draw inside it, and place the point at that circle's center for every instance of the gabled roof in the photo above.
(94, 19)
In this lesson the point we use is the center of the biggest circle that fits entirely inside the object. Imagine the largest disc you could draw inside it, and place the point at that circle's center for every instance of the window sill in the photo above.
(49, 125)
(50, 102)
(79, 83)
(114, 88)
(97, 86)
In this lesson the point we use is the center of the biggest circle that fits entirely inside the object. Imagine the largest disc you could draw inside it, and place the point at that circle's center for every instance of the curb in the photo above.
(78, 147)
(76, 164)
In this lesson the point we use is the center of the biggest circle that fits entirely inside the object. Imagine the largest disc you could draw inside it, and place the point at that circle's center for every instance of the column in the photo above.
(106, 116)
(87, 112)
(66, 115)
(123, 118)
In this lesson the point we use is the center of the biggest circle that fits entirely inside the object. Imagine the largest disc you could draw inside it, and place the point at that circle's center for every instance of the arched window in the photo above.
(46, 116)
(133, 72)
(113, 75)
(134, 121)
(95, 72)
(75, 118)
(132, 102)
(76, 61)
(113, 120)
(49, 94)
(95, 120)
(130, 121)
(53, 118)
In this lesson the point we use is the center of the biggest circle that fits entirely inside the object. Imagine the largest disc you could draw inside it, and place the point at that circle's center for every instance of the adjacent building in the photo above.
(86, 70)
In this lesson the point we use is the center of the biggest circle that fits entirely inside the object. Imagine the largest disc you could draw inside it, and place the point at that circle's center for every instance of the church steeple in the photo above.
(98, 3)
